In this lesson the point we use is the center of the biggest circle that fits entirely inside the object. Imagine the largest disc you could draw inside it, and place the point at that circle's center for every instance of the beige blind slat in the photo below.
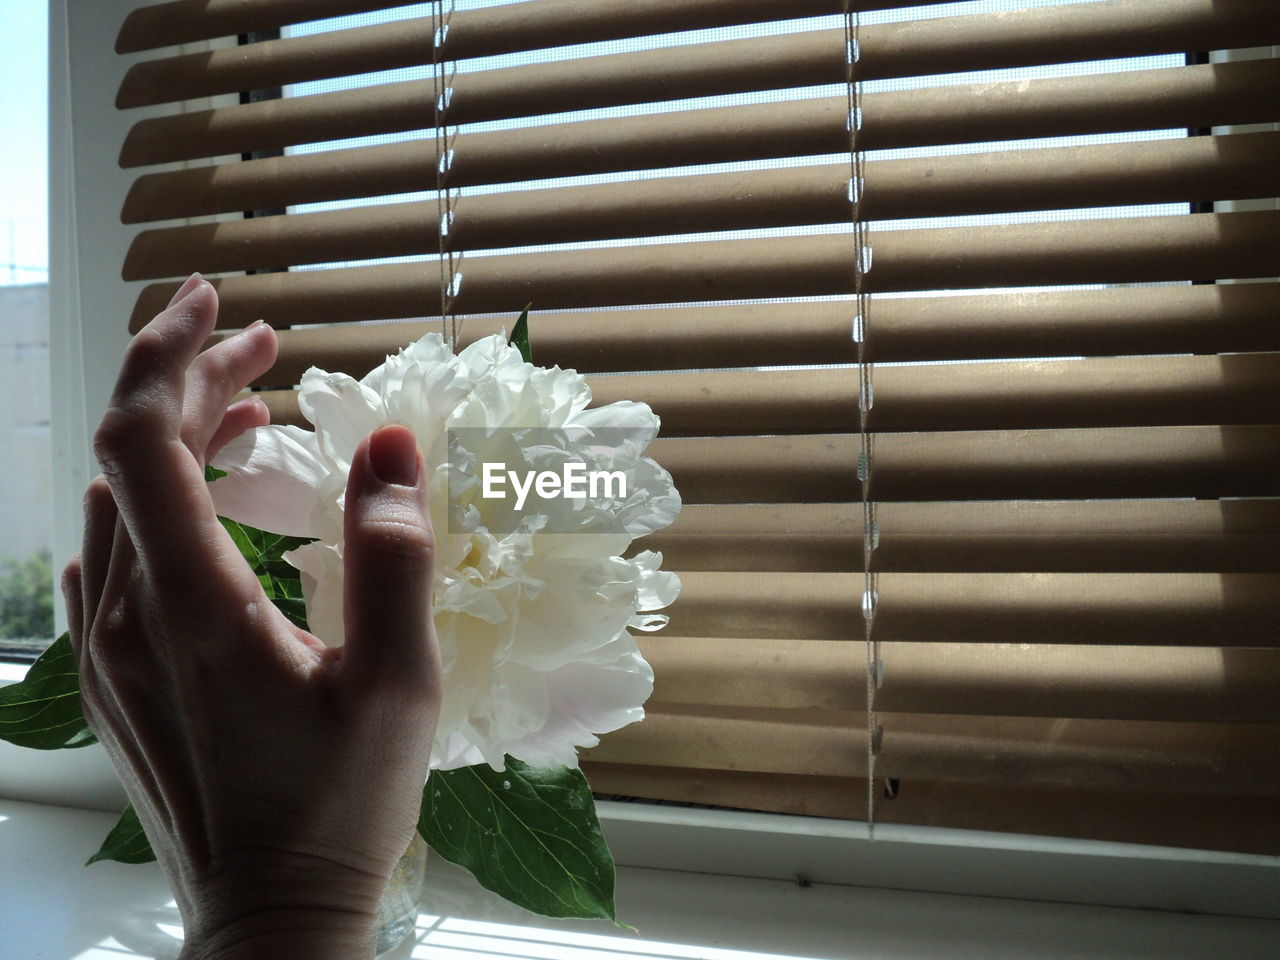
(1140, 609)
(1179, 461)
(1110, 392)
(1140, 99)
(1144, 99)
(1120, 28)
(273, 182)
(1190, 169)
(1200, 684)
(508, 28)
(1185, 757)
(1199, 821)
(552, 23)
(1208, 318)
(1183, 247)
(980, 465)
(1229, 536)
(186, 21)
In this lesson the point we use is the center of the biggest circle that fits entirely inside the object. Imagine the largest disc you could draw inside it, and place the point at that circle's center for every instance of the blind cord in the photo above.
(443, 72)
(874, 670)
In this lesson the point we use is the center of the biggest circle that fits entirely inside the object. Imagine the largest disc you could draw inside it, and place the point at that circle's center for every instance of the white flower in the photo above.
(533, 625)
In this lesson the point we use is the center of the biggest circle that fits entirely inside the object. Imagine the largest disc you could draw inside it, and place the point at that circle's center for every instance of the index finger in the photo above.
(157, 484)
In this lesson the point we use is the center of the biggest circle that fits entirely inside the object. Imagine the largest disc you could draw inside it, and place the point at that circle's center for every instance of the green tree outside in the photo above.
(26, 597)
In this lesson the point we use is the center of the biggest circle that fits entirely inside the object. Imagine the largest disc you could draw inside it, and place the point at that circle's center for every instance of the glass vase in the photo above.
(398, 911)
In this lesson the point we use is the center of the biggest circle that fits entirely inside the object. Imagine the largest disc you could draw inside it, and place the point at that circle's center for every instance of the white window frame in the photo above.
(87, 243)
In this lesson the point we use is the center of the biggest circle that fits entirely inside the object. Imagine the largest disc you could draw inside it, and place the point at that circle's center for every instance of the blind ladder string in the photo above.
(870, 530)
(442, 88)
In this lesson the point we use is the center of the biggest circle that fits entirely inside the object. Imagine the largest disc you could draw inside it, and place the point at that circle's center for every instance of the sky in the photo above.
(24, 192)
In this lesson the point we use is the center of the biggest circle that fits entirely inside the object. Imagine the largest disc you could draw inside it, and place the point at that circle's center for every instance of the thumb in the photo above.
(388, 560)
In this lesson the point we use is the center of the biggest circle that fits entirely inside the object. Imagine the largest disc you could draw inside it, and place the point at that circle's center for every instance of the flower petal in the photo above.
(454, 751)
(343, 410)
(321, 569)
(274, 475)
(387, 379)
(586, 700)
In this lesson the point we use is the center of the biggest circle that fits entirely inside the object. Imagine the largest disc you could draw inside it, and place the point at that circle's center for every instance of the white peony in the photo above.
(533, 626)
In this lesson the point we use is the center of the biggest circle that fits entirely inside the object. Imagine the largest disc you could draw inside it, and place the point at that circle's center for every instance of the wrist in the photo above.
(283, 934)
(277, 906)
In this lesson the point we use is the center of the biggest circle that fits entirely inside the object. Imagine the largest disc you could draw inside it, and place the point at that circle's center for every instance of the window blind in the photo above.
(1075, 543)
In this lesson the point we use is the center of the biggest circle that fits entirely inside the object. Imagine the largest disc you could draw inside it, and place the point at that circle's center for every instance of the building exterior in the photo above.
(25, 446)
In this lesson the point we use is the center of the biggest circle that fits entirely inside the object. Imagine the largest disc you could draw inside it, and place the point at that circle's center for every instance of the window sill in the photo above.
(11, 671)
(124, 911)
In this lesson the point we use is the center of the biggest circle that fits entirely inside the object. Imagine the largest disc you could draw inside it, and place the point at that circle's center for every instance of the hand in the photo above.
(278, 780)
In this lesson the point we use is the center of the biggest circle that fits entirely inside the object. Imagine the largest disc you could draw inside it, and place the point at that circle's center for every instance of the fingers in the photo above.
(388, 559)
(217, 375)
(145, 412)
(188, 285)
(239, 417)
(157, 484)
(147, 402)
(100, 516)
(73, 596)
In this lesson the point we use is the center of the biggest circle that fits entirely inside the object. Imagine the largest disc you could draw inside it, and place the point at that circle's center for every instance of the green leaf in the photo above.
(213, 473)
(263, 549)
(520, 335)
(126, 842)
(43, 710)
(528, 835)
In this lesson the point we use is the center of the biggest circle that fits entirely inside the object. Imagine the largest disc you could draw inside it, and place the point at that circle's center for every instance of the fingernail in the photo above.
(253, 326)
(393, 454)
(246, 402)
(190, 284)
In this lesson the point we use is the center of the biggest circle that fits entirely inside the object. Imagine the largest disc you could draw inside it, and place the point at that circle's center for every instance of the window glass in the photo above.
(26, 576)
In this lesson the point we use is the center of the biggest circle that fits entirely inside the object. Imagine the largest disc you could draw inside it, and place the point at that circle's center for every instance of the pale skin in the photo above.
(278, 780)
